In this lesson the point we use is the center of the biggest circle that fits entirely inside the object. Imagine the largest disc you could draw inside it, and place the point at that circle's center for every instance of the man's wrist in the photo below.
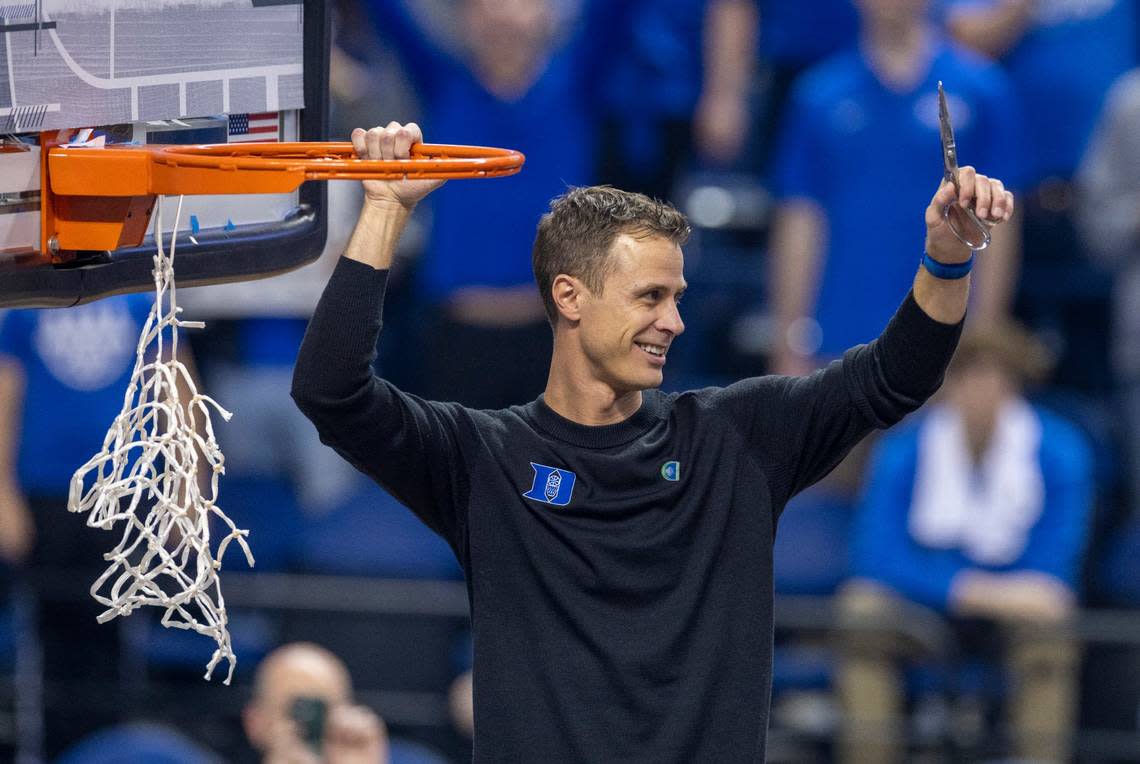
(389, 204)
(377, 232)
(947, 271)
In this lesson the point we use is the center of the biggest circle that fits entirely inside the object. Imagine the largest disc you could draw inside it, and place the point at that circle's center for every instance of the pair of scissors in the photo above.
(964, 223)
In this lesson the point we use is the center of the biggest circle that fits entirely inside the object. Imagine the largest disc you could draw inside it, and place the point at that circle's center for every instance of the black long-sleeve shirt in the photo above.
(620, 576)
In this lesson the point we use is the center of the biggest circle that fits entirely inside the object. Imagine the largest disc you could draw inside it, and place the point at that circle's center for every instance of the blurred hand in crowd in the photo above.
(461, 704)
(721, 120)
(1017, 596)
(353, 735)
(17, 529)
(720, 126)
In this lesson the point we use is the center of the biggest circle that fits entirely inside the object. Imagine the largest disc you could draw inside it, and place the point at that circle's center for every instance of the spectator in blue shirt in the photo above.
(511, 81)
(730, 40)
(794, 36)
(63, 375)
(830, 269)
(676, 89)
(1062, 57)
(1109, 217)
(138, 742)
(980, 510)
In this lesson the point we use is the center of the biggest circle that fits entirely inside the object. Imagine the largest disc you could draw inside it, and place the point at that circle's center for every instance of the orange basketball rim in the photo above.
(102, 198)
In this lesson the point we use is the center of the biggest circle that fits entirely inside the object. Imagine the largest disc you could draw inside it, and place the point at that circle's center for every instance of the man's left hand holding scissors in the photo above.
(986, 196)
(941, 287)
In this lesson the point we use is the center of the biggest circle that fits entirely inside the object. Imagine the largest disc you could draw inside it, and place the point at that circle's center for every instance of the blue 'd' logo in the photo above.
(551, 485)
(671, 471)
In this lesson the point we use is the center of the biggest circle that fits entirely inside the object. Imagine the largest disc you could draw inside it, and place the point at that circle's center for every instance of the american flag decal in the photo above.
(261, 127)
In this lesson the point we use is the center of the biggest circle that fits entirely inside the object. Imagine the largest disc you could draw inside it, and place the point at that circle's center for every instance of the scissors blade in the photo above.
(949, 148)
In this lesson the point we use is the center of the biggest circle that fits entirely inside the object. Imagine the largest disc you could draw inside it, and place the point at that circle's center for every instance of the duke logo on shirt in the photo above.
(551, 485)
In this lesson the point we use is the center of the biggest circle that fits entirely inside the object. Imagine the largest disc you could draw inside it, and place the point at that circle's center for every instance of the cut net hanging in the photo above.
(157, 474)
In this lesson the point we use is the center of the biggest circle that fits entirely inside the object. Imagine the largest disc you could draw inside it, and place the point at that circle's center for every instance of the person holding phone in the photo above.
(302, 712)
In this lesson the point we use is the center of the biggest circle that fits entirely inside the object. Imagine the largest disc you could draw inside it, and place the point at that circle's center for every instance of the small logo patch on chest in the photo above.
(551, 485)
(671, 471)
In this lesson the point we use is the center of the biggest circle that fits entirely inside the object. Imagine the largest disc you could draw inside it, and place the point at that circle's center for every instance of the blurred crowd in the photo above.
(961, 557)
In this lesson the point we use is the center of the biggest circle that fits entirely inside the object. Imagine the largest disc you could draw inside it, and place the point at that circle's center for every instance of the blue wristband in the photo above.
(943, 271)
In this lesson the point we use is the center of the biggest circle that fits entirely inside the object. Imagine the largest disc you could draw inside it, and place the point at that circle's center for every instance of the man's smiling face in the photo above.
(627, 328)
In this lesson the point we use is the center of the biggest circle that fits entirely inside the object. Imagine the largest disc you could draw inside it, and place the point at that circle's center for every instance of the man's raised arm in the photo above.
(407, 445)
(335, 362)
(912, 352)
(804, 425)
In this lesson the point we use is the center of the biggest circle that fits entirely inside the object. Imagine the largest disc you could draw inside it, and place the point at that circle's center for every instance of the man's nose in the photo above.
(671, 321)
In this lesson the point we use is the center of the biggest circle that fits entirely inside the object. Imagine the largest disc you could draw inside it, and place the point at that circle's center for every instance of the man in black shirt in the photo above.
(617, 540)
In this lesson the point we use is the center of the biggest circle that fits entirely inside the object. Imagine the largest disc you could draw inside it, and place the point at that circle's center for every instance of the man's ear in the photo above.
(568, 293)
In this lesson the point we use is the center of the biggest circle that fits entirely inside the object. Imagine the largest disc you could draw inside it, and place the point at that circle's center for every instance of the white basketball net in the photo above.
(147, 477)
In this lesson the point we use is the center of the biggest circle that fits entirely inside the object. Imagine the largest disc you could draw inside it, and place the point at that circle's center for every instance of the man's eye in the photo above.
(653, 295)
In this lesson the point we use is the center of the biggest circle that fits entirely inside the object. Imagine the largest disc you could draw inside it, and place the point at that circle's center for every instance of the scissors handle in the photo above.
(981, 227)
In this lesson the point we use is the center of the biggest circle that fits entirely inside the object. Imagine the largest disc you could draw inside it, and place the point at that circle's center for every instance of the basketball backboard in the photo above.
(103, 72)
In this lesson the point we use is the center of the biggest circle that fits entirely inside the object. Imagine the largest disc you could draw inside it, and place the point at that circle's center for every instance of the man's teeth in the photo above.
(652, 349)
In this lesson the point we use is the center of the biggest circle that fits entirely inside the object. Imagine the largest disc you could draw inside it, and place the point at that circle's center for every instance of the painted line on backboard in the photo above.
(104, 83)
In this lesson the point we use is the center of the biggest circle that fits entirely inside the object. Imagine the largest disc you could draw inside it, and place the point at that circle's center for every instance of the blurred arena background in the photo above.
(778, 128)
